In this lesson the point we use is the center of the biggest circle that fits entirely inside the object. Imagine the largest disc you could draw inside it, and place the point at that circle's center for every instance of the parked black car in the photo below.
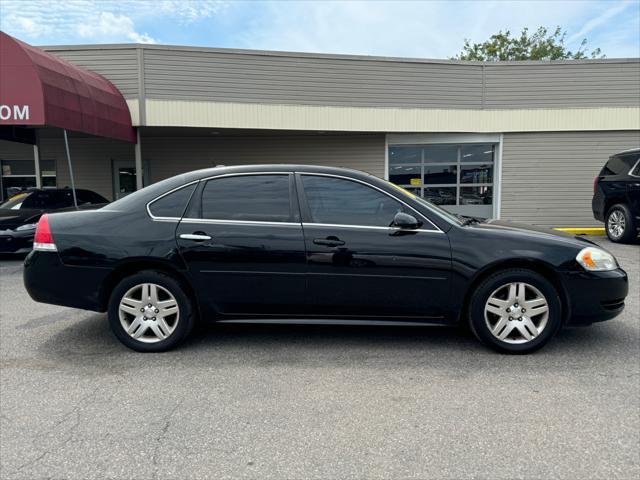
(295, 244)
(20, 214)
(616, 196)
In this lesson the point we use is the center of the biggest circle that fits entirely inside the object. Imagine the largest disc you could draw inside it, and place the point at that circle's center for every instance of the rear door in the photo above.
(358, 265)
(243, 244)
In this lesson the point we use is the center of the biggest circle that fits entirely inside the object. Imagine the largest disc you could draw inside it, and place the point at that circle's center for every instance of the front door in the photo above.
(359, 266)
(243, 243)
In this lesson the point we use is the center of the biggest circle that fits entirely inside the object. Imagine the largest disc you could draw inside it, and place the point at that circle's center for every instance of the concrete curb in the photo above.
(583, 231)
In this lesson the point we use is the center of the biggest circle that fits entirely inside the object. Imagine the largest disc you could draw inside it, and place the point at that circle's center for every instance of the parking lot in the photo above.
(314, 402)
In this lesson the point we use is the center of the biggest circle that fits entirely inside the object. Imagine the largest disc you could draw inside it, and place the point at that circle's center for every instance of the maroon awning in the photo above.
(39, 88)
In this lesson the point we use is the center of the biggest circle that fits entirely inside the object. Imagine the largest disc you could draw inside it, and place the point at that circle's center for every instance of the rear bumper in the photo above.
(595, 296)
(48, 280)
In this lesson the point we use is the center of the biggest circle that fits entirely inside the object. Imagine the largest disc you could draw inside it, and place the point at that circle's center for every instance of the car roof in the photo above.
(275, 168)
(624, 152)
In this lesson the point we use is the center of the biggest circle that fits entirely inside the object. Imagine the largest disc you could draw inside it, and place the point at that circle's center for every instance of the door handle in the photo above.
(329, 241)
(198, 236)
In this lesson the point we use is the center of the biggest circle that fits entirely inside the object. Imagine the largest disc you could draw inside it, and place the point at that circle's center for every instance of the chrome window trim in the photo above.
(167, 219)
(435, 227)
(240, 222)
(635, 165)
(241, 174)
(367, 227)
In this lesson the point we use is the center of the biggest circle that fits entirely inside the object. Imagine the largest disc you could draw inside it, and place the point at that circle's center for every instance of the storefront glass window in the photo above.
(459, 177)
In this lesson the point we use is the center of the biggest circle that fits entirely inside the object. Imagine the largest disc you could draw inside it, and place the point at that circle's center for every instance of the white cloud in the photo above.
(109, 26)
(97, 21)
(599, 19)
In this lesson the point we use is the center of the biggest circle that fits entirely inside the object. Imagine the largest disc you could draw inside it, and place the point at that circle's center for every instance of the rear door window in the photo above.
(254, 198)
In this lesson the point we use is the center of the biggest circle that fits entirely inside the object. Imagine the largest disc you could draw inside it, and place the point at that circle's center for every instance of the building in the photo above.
(521, 141)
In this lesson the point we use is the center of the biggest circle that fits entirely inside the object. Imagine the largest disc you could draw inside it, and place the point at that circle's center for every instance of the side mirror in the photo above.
(404, 220)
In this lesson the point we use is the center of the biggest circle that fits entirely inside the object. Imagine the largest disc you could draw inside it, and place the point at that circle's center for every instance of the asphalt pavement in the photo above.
(316, 402)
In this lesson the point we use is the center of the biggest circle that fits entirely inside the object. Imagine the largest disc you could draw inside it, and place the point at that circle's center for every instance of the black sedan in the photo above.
(302, 244)
(20, 214)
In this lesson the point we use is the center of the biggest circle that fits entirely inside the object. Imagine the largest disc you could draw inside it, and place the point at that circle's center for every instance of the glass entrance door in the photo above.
(124, 178)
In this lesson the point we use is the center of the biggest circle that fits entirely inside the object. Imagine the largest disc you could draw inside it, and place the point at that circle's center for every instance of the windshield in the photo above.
(449, 217)
(15, 202)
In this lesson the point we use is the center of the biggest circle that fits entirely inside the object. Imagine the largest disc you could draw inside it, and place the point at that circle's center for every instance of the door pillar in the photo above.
(36, 160)
(138, 155)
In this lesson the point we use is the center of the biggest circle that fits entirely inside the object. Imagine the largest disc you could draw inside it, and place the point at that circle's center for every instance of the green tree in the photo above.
(541, 45)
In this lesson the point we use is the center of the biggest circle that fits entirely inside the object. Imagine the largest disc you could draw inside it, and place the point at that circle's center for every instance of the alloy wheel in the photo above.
(616, 224)
(149, 313)
(516, 313)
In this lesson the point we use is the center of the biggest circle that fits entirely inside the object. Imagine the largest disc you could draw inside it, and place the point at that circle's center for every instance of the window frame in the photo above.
(307, 219)
(171, 219)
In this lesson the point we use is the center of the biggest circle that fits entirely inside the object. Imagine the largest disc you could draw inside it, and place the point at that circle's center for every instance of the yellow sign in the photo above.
(415, 181)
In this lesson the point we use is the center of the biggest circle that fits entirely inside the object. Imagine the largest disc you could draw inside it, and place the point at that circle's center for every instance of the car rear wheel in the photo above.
(515, 311)
(620, 224)
(150, 312)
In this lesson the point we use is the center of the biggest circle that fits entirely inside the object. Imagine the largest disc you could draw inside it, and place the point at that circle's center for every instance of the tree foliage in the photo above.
(541, 45)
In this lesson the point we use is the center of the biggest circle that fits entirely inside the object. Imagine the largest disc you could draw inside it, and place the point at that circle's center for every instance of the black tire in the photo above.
(491, 284)
(185, 318)
(630, 229)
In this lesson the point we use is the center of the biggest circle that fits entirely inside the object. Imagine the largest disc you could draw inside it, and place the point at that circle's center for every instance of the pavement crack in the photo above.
(74, 412)
(160, 436)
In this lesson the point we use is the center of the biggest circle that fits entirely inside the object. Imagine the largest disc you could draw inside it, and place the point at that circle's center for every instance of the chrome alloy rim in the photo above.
(149, 313)
(616, 224)
(516, 313)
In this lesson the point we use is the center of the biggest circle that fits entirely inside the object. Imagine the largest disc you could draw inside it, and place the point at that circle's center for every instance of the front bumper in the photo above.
(595, 296)
(16, 242)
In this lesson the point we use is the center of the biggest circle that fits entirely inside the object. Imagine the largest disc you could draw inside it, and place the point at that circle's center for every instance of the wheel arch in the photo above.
(535, 265)
(610, 202)
(135, 265)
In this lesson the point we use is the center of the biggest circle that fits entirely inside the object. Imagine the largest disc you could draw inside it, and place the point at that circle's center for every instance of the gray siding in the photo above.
(229, 77)
(563, 85)
(218, 75)
(119, 65)
(171, 156)
(547, 178)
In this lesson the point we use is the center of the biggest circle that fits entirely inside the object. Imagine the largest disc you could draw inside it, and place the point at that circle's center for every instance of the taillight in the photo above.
(595, 185)
(43, 239)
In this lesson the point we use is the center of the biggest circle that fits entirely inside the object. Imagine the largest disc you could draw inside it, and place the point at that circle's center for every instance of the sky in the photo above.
(423, 29)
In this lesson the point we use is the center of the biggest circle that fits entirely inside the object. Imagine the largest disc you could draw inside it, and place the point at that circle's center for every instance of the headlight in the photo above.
(27, 226)
(596, 260)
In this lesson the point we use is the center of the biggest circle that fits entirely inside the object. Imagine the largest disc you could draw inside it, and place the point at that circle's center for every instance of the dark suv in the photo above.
(616, 196)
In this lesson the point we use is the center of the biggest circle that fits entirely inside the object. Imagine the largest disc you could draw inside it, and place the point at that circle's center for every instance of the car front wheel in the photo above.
(150, 312)
(620, 224)
(515, 311)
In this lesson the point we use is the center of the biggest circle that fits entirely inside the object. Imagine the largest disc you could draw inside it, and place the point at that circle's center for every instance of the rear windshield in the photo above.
(620, 164)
